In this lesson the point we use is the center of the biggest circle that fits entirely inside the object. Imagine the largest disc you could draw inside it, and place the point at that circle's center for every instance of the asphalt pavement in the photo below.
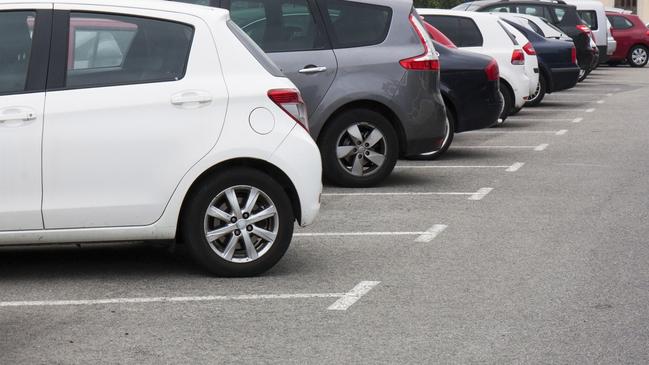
(526, 244)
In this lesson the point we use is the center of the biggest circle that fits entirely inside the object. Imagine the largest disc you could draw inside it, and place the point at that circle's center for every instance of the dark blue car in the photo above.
(557, 63)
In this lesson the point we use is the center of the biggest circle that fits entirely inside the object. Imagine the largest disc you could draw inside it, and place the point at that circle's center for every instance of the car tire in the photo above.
(242, 247)
(540, 92)
(448, 139)
(582, 74)
(508, 101)
(516, 111)
(359, 148)
(638, 56)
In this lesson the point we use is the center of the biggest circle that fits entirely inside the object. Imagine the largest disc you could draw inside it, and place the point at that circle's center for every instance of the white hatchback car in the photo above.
(487, 34)
(150, 120)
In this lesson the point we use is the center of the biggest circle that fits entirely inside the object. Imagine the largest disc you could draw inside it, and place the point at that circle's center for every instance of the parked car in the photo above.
(557, 60)
(632, 37)
(593, 14)
(488, 35)
(557, 12)
(470, 88)
(612, 43)
(368, 72)
(155, 130)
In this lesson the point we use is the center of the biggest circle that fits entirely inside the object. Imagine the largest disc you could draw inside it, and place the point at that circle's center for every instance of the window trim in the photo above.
(332, 34)
(35, 80)
(58, 70)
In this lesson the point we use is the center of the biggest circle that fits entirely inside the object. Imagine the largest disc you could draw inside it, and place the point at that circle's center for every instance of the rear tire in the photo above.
(638, 56)
(540, 93)
(582, 74)
(228, 240)
(448, 139)
(508, 101)
(359, 148)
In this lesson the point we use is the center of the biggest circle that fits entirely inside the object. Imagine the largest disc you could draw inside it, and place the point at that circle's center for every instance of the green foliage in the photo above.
(441, 4)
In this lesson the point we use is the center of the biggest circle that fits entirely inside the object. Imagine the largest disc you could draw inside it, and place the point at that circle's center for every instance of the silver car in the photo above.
(367, 70)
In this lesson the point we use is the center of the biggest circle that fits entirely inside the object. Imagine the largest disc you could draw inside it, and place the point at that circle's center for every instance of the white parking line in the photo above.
(577, 120)
(600, 102)
(515, 167)
(556, 110)
(537, 120)
(480, 194)
(509, 168)
(503, 131)
(540, 147)
(356, 234)
(409, 193)
(353, 296)
(433, 232)
(562, 132)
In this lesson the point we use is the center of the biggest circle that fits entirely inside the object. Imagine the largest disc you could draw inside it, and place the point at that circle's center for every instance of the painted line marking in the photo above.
(609, 94)
(577, 120)
(515, 167)
(562, 132)
(353, 296)
(433, 232)
(590, 110)
(557, 110)
(480, 194)
(541, 147)
(537, 120)
(356, 234)
(408, 193)
(600, 102)
(515, 132)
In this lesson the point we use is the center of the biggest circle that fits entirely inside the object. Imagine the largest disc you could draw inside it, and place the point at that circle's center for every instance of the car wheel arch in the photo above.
(450, 104)
(254, 163)
(549, 82)
(511, 89)
(375, 106)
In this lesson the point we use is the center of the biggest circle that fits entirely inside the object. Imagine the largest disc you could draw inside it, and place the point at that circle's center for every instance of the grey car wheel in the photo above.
(361, 149)
(638, 56)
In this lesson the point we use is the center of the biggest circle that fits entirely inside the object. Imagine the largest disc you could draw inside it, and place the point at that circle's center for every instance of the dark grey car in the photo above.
(368, 75)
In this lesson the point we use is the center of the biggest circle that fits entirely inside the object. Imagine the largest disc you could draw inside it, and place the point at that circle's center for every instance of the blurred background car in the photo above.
(593, 14)
(632, 37)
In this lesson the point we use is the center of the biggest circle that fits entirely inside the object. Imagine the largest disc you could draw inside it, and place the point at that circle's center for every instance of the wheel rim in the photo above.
(241, 224)
(361, 149)
(447, 136)
(582, 73)
(639, 56)
(536, 93)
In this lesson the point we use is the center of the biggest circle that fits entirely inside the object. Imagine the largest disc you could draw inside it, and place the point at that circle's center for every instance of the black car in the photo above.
(557, 63)
(557, 12)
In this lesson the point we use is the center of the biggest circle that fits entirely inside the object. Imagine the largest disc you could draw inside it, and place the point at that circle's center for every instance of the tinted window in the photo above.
(559, 13)
(197, 2)
(535, 27)
(498, 9)
(111, 50)
(462, 31)
(278, 26)
(536, 10)
(15, 49)
(589, 17)
(619, 22)
(356, 24)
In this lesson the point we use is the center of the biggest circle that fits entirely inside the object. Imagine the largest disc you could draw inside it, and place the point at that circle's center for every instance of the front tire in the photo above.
(537, 98)
(638, 56)
(238, 223)
(359, 148)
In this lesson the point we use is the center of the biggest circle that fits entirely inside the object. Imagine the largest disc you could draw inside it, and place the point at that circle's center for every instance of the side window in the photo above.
(619, 22)
(278, 26)
(197, 2)
(589, 17)
(462, 31)
(536, 28)
(511, 36)
(16, 28)
(356, 24)
(109, 50)
(559, 13)
(536, 10)
(498, 9)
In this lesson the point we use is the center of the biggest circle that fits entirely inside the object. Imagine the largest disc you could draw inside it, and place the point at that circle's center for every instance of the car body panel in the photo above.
(626, 38)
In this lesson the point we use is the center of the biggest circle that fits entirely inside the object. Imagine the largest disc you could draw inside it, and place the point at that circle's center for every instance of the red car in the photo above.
(632, 36)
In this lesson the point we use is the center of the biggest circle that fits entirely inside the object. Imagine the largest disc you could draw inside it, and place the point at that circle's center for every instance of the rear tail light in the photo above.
(573, 55)
(647, 33)
(529, 49)
(583, 28)
(426, 61)
(492, 71)
(518, 57)
(290, 101)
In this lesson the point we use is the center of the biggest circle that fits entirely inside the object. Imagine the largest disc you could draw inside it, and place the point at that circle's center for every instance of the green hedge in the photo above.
(441, 4)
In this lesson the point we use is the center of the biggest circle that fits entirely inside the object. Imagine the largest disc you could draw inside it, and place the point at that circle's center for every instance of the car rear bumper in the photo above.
(564, 78)
(482, 111)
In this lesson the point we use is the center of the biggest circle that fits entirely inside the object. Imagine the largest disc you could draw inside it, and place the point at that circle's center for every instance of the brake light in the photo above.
(426, 61)
(529, 49)
(647, 33)
(573, 55)
(492, 71)
(583, 28)
(290, 101)
(518, 57)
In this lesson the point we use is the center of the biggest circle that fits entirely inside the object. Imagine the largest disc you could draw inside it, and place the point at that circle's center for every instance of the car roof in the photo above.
(172, 6)
(467, 14)
(479, 3)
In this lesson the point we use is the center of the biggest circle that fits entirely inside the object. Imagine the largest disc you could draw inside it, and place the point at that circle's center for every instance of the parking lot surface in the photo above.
(524, 244)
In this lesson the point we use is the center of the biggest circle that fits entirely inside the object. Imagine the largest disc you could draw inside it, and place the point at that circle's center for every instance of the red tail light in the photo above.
(573, 55)
(290, 101)
(529, 49)
(426, 61)
(518, 57)
(492, 71)
(583, 28)
(647, 33)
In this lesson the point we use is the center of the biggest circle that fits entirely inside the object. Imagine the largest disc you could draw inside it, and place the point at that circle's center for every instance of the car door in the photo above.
(291, 32)
(24, 48)
(622, 31)
(135, 99)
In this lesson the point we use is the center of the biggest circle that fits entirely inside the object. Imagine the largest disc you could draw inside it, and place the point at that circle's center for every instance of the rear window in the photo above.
(619, 22)
(509, 34)
(536, 10)
(536, 28)
(356, 24)
(589, 17)
(498, 9)
(461, 30)
(559, 13)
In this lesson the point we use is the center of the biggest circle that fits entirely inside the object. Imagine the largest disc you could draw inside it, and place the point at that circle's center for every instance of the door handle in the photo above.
(17, 115)
(191, 99)
(311, 69)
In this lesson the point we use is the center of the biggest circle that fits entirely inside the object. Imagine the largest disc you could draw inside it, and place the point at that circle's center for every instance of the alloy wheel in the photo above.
(639, 56)
(361, 149)
(241, 224)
